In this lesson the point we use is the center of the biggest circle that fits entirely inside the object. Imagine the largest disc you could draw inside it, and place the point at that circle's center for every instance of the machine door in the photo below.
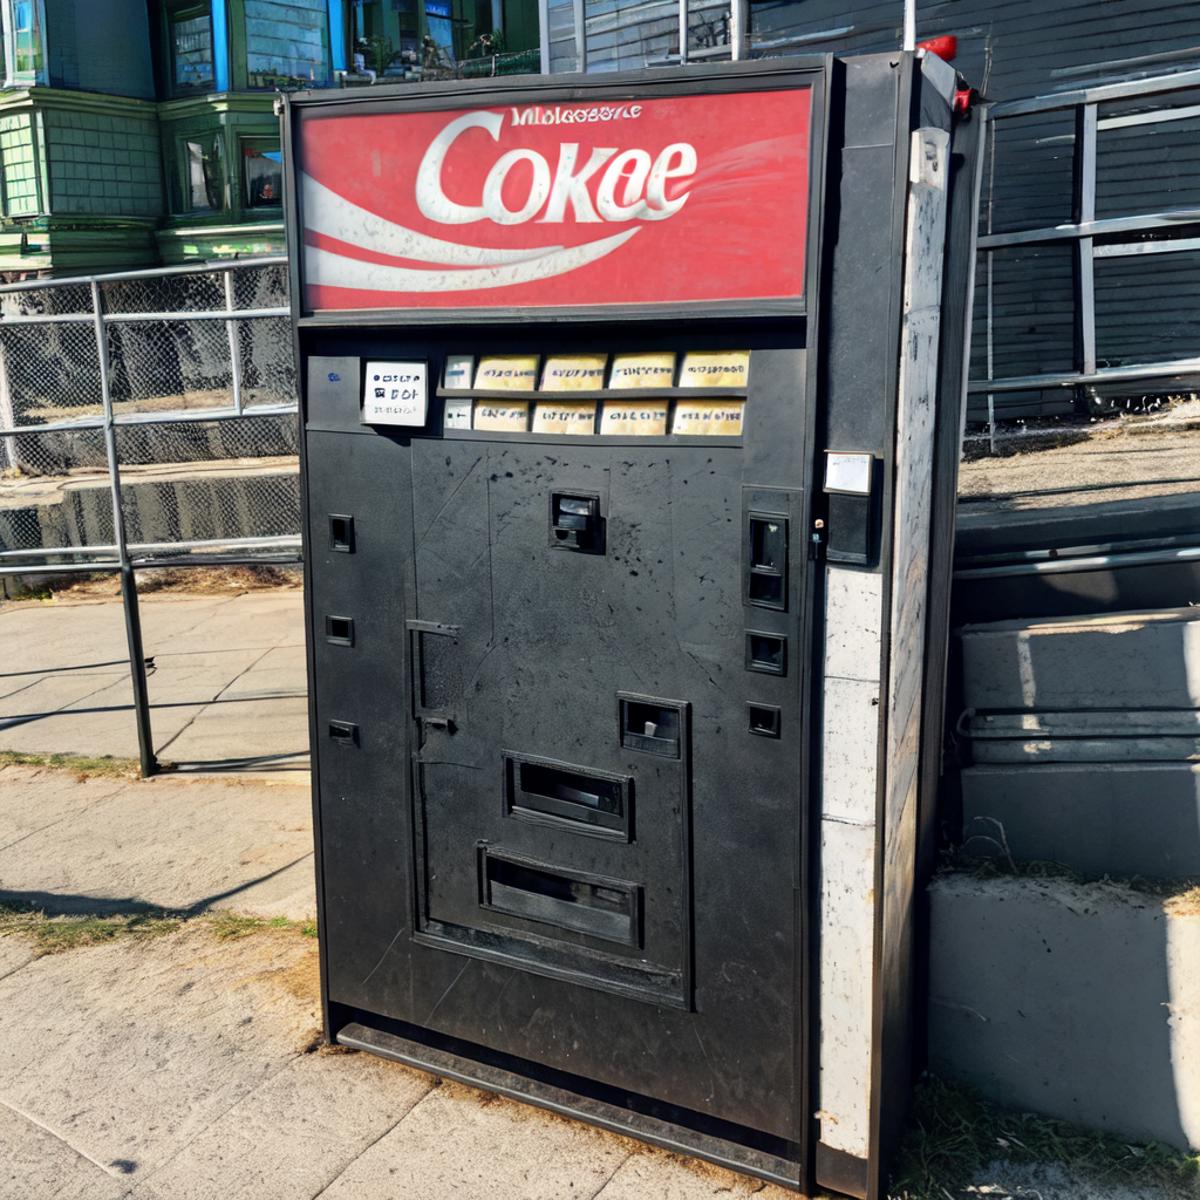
(604, 645)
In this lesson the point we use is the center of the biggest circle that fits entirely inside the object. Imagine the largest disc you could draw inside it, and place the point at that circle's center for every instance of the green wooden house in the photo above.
(140, 132)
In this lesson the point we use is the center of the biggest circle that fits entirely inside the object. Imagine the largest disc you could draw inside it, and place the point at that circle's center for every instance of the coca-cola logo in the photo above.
(427, 207)
(629, 185)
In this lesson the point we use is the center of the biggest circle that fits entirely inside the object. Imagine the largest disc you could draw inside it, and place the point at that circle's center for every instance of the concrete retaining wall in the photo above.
(1097, 818)
(245, 498)
(1078, 1001)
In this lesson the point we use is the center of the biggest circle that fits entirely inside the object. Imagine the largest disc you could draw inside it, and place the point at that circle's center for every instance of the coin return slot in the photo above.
(341, 533)
(650, 728)
(607, 909)
(344, 733)
(766, 576)
(766, 652)
(550, 793)
(765, 720)
(339, 631)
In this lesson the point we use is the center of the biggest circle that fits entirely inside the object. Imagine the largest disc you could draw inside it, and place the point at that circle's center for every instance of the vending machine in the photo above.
(622, 406)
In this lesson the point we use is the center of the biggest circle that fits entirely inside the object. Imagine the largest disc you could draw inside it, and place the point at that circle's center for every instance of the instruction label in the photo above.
(636, 418)
(569, 418)
(507, 373)
(508, 416)
(574, 373)
(708, 418)
(650, 370)
(395, 393)
(715, 369)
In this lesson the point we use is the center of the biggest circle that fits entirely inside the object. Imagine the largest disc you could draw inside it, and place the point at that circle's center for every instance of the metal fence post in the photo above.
(129, 597)
(235, 350)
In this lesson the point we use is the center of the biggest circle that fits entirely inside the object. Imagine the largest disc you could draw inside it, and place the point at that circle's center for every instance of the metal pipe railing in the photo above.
(122, 556)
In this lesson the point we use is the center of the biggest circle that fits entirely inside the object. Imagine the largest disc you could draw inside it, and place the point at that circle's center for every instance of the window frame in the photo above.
(171, 87)
(12, 77)
(243, 139)
(181, 206)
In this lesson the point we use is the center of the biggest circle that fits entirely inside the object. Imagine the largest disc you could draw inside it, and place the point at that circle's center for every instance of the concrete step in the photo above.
(1081, 1001)
(1118, 661)
(1087, 736)
(1121, 819)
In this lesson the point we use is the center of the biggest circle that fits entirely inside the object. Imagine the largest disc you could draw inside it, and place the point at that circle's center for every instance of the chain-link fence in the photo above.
(148, 419)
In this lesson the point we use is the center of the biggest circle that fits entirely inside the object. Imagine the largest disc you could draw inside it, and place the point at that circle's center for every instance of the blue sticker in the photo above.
(334, 377)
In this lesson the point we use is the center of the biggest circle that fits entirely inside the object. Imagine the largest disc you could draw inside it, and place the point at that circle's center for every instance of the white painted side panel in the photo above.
(847, 930)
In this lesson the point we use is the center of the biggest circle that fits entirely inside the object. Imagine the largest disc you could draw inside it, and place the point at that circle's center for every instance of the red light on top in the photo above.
(945, 47)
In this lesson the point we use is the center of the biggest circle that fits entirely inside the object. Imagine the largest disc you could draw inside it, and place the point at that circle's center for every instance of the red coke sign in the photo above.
(663, 200)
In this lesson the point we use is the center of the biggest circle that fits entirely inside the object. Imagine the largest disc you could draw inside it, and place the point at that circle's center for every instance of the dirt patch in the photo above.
(959, 1145)
(190, 581)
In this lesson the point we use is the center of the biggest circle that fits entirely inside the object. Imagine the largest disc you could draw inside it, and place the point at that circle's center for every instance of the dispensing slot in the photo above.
(549, 792)
(608, 909)
(650, 726)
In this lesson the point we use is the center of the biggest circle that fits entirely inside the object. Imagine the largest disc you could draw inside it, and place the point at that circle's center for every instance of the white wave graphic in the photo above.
(327, 213)
(324, 268)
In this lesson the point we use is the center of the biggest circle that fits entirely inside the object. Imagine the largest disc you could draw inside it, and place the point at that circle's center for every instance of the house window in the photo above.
(190, 45)
(26, 39)
(287, 40)
(204, 180)
(262, 173)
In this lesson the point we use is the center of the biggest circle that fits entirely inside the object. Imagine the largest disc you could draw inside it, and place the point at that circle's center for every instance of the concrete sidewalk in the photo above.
(187, 1067)
(227, 681)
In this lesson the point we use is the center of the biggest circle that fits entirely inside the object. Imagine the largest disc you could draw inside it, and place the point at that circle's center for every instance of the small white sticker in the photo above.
(460, 368)
(458, 414)
(395, 393)
(849, 473)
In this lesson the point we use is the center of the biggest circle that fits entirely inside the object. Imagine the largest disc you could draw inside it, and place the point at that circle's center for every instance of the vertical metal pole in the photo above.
(910, 25)
(991, 362)
(1085, 212)
(235, 350)
(683, 32)
(739, 19)
(129, 598)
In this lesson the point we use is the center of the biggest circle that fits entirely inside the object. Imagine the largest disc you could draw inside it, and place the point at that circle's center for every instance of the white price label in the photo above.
(848, 473)
(395, 393)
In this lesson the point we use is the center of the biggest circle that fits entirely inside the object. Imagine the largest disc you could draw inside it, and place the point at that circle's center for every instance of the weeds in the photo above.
(55, 934)
(954, 1134)
(228, 926)
(81, 765)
